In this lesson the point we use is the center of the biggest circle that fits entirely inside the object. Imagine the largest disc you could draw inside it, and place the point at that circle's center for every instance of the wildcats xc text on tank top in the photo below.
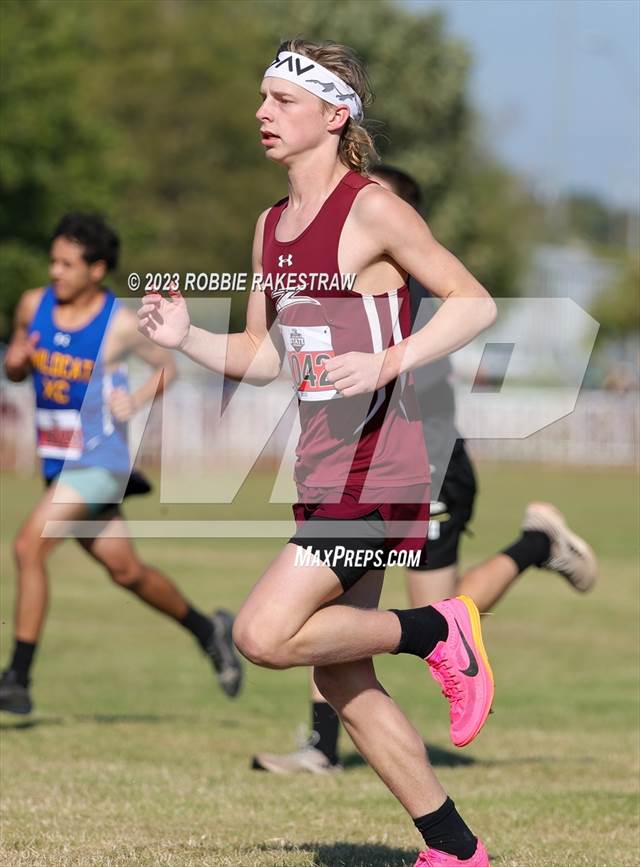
(377, 438)
(72, 386)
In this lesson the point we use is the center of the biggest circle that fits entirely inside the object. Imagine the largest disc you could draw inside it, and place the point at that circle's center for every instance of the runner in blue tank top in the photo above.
(73, 337)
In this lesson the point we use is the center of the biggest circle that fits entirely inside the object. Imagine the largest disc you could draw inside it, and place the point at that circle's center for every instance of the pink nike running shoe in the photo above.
(461, 667)
(435, 858)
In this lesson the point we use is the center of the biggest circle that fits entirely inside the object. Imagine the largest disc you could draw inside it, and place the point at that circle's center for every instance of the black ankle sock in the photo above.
(199, 625)
(446, 831)
(421, 630)
(326, 724)
(22, 660)
(531, 549)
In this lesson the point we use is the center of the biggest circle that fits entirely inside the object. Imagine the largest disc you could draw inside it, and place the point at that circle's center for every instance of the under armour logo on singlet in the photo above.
(285, 260)
(61, 339)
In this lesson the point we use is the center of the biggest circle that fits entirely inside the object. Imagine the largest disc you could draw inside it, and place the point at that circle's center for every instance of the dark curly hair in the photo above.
(99, 241)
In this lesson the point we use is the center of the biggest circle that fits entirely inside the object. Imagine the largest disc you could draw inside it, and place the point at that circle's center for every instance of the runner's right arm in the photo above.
(17, 359)
(254, 354)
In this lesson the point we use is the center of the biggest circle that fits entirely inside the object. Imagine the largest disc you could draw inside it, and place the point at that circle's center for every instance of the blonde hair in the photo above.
(356, 148)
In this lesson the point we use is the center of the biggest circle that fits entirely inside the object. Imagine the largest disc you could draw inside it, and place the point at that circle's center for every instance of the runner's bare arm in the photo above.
(17, 359)
(254, 354)
(123, 339)
(403, 235)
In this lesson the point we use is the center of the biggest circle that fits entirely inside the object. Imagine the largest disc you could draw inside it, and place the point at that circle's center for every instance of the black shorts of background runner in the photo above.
(369, 536)
(458, 494)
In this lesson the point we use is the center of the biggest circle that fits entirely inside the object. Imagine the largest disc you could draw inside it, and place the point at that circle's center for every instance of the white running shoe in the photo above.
(570, 556)
(307, 759)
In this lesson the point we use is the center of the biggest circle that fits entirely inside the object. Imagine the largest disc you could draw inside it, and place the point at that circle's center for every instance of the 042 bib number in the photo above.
(308, 348)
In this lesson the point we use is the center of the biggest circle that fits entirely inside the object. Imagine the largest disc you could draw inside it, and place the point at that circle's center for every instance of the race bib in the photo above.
(308, 348)
(59, 434)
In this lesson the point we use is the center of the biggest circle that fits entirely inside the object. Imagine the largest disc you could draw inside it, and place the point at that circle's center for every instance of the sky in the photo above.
(557, 86)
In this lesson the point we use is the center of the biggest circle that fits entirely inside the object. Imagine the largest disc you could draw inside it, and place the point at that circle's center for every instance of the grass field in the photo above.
(133, 757)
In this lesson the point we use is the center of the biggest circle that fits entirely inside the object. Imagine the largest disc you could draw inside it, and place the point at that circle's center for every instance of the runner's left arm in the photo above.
(399, 232)
(124, 340)
(467, 309)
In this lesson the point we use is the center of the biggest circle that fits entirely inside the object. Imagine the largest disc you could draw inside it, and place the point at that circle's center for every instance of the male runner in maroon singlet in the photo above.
(361, 459)
(545, 541)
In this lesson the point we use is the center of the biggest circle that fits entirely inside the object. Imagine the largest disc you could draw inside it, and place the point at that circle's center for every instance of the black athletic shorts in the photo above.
(458, 494)
(349, 557)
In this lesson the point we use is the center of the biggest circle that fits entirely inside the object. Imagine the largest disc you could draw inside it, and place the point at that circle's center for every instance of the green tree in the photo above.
(52, 146)
(146, 111)
(617, 309)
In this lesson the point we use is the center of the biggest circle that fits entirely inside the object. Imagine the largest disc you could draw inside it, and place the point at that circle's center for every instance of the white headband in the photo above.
(316, 79)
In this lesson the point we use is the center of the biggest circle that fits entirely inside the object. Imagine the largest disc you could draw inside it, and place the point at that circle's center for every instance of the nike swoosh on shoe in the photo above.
(472, 668)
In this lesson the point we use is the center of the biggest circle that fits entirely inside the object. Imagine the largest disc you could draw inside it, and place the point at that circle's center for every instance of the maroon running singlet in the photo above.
(355, 454)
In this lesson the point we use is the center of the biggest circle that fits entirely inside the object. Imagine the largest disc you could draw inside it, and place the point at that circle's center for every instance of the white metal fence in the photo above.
(602, 430)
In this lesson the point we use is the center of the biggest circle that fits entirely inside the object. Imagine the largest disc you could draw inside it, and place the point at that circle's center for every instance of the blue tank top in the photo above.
(72, 386)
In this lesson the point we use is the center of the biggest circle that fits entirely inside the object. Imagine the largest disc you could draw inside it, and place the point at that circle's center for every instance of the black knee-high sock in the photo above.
(446, 831)
(200, 625)
(22, 660)
(326, 724)
(531, 549)
(421, 629)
